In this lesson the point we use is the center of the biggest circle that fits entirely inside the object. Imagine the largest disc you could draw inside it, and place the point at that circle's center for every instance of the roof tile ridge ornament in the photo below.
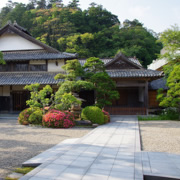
(124, 58)
(15, 23)
(9, 22)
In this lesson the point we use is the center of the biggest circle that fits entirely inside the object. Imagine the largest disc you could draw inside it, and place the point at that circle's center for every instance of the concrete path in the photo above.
(109, 152)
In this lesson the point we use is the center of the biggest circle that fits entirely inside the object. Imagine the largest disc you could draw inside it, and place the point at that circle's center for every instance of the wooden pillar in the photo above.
(46, 65)
(11, 100)
(146, 97)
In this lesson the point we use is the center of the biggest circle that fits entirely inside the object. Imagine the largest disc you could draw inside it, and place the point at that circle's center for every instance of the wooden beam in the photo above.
(11, 100)
(131, 85)
(146, 97)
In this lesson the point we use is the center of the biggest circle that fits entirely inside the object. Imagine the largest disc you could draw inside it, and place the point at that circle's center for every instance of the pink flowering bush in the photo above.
(106, 114)
(58, 119)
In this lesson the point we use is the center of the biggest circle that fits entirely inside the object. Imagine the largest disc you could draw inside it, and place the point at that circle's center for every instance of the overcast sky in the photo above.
(157, 15)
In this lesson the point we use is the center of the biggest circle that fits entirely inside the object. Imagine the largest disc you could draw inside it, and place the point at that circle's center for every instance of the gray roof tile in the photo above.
(130, 73)
(157, 84)
(35, 55)
(23, 78)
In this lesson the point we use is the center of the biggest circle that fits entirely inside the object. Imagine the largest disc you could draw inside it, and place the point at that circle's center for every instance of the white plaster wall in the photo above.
(52, 67)
(156, 64)
(12, 42)
(37, 62)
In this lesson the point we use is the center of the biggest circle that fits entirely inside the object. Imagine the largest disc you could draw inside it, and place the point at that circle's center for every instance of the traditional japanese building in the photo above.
(30, 61)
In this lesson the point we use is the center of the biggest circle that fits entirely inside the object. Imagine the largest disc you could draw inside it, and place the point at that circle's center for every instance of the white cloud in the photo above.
(138, 11)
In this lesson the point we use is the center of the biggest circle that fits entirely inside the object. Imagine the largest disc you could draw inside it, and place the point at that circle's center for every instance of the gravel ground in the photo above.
(160, 136)
(19, 143)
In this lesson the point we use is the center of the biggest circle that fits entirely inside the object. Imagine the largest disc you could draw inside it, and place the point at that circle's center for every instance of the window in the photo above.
(20, 67)
(41, 67)
(3, 68)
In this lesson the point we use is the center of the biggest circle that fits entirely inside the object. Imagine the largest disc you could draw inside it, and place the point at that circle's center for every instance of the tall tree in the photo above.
(171, 41)
(105, 88)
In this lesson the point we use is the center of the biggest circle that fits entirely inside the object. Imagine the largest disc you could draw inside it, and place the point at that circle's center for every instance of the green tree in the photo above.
(172, 98)
(171, 42)
(2, 61)
(40, 98)
(105, 87)
(171, 45)
(70, 85)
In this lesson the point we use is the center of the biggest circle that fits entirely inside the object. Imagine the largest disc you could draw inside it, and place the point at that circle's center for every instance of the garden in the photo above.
(62, 109)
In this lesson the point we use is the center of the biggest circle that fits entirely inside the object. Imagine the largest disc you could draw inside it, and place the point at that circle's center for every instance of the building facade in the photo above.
(30, 61)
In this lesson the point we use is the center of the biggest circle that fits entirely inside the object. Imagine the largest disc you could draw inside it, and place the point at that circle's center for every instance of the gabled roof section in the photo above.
(122, 62)
(14, 28)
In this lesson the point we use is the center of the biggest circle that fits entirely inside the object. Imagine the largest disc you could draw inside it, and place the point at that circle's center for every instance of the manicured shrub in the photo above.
(36, 117)
(106, 114)
(106, 120)
(94, 114)
(58, 119)
(24, 116)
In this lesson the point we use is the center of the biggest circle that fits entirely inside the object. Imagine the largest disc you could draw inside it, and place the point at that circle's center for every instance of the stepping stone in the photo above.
(51, 153)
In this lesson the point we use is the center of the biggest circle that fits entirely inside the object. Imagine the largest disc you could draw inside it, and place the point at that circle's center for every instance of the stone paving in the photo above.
(109, 152)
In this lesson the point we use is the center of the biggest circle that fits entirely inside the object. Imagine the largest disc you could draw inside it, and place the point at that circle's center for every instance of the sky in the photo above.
(157, 15)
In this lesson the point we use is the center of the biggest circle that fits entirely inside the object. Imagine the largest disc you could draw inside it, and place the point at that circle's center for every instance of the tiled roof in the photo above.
(82, 61)
(23, 78)
(132, 73)
(134, 60)
(157, 84)
(35, 55)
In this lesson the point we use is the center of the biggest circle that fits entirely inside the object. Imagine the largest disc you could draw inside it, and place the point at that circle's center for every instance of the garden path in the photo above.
(109, 152)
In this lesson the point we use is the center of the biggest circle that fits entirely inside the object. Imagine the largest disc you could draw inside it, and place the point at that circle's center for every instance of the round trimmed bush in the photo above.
(24, 116)
(36, 117)
(58, 119)
(94, 114)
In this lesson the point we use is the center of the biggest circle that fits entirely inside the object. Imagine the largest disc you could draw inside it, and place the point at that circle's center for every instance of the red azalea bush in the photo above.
(106, 114)
(58, 119)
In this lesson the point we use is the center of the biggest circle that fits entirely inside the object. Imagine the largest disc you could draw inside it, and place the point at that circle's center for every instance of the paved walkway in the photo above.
(109, 152)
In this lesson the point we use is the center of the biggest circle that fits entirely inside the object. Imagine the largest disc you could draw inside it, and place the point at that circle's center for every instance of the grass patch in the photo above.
(23, 170)
(149, 118)
(8, 178)
(161, 117)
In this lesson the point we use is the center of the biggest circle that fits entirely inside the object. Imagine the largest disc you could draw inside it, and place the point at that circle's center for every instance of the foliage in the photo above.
(106, 120)
(64, 97)
(94, 114)
(172, 98)
(94, 65)
(106, 114)
(24, 116)
(36, 117)
(105, 87)
(167, 114)
(46, 96)
(67, 99)
(171, 43)
(24, 170)
(33, 102)
(40, 98)
(2, 61)
(91, 32)
(58, 119)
